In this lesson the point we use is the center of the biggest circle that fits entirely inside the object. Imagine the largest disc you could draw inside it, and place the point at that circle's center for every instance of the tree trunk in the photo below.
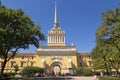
(3, 67)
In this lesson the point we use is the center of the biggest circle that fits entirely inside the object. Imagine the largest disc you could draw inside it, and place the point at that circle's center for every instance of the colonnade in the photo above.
(56, 39)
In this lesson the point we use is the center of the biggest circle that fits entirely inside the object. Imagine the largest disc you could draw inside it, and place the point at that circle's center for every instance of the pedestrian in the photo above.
(95, 77)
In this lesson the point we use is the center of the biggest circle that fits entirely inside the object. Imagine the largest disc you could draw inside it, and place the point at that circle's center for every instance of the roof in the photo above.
(25, 54)
(56, 47)
(84, 53)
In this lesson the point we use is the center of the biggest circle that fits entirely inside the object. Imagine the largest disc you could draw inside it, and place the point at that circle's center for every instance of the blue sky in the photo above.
(78, 18)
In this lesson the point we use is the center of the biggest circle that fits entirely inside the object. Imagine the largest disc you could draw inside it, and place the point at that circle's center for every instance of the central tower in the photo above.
(57, 57)
(56, 37)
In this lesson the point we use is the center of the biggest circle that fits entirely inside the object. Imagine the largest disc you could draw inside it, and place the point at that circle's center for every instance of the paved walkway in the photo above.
(59, 78)
(82, 78)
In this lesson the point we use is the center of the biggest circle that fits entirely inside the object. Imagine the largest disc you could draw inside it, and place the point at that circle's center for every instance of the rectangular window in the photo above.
(32, 57)
(22, 64)
(89, 56)
(31, 63)
(81, 64)
(22, 57)
(11, 64)
(80, 57)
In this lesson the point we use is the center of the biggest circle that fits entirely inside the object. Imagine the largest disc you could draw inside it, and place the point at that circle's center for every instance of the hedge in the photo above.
(108, 78)
(30, 71)
(83, 71)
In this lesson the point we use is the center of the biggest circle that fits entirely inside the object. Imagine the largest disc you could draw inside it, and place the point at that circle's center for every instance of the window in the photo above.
(32, 57)
(21, 64)
(22, 57)
(80, 63)
(11, 64)
(89, 56)
(80, 57)
(31, 63)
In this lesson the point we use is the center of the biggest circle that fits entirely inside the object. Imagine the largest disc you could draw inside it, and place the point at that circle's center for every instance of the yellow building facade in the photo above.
(55, 56)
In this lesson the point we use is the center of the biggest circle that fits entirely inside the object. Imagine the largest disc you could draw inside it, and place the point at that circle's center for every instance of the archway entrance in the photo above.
(56, 68)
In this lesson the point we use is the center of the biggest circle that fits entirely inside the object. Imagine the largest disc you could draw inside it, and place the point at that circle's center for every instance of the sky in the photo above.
(78, 18)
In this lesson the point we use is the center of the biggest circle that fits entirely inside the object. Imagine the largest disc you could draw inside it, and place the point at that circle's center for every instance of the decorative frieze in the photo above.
(56, 57)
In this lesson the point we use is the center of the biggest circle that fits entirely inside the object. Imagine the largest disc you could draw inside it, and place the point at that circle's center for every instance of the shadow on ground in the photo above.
(45, 78)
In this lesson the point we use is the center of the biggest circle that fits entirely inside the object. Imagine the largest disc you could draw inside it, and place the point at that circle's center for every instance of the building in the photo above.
(55, 57)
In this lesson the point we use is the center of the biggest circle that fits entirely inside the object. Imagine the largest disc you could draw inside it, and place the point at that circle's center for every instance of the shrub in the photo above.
(29, 70)
(10, 73)
(87, 72)
(16, 68)
(83, 71)
(79, 71)
(108, 78)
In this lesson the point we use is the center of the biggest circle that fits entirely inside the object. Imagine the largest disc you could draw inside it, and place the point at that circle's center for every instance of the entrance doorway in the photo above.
(56, 68)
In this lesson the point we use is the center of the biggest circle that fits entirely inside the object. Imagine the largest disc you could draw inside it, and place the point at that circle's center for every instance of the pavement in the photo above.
(59, 78)
(82, 78)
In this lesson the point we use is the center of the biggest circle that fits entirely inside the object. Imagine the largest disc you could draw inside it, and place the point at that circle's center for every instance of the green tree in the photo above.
(17, 31)
(107, 50)
(100, 52)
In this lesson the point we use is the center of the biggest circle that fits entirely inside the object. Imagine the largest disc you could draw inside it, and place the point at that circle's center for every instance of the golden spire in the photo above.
(56, 17)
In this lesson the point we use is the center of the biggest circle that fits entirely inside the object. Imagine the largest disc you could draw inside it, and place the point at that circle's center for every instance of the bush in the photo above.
(29, 70)
(7, 75)
(79, 71)
(10, 73)
(16, 68)
(108, 78)
(87, 72)
(83, 71)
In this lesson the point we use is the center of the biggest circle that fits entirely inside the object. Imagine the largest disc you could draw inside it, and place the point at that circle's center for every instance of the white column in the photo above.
(58, 39)
(53, 39)
(70, 63)
(50, 39)
(43, 63)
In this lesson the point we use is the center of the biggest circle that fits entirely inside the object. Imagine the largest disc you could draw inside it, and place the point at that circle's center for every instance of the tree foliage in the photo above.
(107, 50)
(17, 31)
